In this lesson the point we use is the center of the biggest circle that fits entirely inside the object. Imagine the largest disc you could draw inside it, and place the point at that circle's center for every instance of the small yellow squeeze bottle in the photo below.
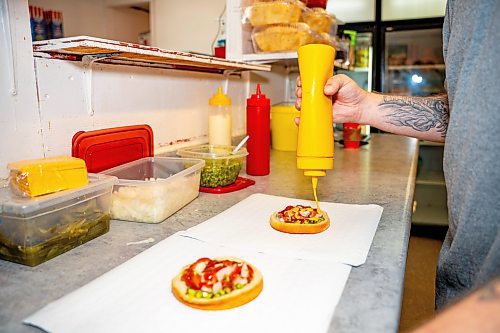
(315, 137)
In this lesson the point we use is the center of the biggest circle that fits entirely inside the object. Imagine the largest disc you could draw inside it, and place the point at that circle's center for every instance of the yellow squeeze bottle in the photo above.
(315, 137)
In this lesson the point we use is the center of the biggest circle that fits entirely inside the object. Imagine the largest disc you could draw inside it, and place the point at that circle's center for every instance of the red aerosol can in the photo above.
(258, 128)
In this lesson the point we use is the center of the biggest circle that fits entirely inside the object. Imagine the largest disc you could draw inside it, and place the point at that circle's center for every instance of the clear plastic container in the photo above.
(281, 37)
(324, 38)
(318, 19)
(153, 188)
(34, 230)
(265, 12)
(221, 166)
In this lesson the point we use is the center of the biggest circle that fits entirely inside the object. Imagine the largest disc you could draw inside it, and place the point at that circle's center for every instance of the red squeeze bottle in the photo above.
(258, 128)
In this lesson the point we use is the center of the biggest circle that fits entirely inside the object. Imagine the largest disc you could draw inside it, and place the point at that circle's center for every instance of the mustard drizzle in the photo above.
(315, 186)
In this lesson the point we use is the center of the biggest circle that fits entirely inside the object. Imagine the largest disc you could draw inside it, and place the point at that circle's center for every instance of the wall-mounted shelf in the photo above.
(115, 52)
(268, 57)
(289, 58)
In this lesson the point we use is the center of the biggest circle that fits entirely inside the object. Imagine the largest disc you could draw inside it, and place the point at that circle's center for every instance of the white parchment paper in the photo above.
(246, 226)
(298, 296)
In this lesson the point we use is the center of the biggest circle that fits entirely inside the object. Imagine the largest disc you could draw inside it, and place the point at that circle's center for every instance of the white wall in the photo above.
(20, 132)
(50, 105)
(174, 103)
(412, 9)
(351, 11)
(97, 18)
(188, 25)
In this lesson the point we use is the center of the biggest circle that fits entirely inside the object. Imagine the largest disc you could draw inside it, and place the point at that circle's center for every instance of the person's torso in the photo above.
(472, 148)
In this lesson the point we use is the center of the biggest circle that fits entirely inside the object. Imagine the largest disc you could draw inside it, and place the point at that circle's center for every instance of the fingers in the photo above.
(335, 83)
(298, 88)
(298, 103)
(296, 120)
(298, 93)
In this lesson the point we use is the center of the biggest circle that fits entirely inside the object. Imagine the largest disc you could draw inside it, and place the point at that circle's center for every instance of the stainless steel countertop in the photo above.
(382, 172)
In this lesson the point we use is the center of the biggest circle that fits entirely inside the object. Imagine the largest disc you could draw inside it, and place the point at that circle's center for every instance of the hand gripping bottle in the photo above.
(315, 138)
(258, 130)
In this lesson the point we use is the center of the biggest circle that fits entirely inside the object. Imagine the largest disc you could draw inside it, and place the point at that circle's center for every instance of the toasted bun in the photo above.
(296, 228)
(234, 299)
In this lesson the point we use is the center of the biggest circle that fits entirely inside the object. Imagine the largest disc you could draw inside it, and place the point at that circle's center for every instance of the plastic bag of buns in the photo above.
(281, 37)
(318, 19)
(266, 12)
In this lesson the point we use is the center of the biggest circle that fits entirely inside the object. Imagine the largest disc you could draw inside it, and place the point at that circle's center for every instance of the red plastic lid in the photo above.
(107, 148)
(258, 99)
(239, 183)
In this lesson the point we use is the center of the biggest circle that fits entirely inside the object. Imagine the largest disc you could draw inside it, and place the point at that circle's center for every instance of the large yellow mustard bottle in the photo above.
(315, 137)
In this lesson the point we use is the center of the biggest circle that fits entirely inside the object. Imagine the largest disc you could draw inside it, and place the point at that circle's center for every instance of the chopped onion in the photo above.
(305, 213)
(223, 272)
(240, 280)
(217, 287)
(244, 271)
(200, 267)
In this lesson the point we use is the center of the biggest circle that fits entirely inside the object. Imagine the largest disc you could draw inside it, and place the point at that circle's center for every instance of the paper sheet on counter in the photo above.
(298, 296)
(246, 226)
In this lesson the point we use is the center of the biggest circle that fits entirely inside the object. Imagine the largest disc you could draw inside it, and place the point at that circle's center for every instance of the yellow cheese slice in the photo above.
(47, 175)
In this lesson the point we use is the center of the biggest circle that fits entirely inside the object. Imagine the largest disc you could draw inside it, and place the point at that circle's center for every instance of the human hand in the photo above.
(347, 98)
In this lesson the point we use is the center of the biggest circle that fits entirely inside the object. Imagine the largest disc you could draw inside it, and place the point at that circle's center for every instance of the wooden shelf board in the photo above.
(109, 51)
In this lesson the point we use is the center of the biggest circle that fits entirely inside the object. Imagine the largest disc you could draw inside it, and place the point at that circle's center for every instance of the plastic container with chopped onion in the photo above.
(153, 188)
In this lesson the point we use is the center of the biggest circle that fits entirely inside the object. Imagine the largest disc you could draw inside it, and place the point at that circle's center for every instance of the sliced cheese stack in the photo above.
(47, 175)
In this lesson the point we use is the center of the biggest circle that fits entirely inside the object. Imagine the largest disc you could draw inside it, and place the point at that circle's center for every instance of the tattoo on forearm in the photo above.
(420, 113)
(491, 291)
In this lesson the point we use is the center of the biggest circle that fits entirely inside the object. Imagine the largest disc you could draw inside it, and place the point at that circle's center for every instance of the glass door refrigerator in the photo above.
(400, 51)
(412, 62)
(412, 65)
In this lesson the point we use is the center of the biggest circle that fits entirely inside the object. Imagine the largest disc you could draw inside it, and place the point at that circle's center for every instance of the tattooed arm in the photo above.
(421, 117)
(478, 312)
